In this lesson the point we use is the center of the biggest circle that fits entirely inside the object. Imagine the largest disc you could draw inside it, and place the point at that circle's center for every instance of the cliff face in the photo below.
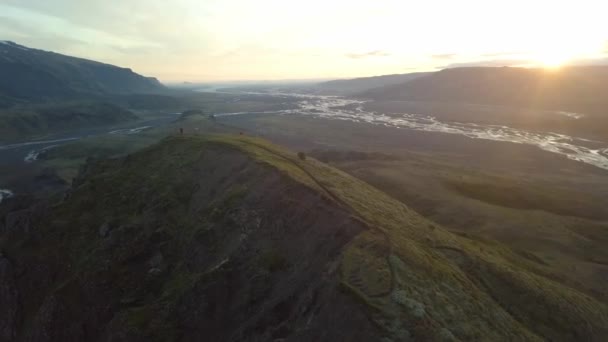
(232, 238)
(207, 244)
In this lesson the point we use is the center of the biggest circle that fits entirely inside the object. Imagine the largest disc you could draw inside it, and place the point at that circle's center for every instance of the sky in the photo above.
(216, 40)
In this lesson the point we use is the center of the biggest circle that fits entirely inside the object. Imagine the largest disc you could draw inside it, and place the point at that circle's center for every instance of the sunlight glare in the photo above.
(557, 54)
(553, 60)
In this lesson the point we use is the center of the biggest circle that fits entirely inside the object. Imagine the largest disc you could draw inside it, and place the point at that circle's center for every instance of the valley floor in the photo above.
(545, 206)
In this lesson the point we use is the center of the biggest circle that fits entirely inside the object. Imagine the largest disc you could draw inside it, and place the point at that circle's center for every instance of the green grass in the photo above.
(272, 260)
(500, 293)
(19, 122)
(365, 265)
(522, 195)
(67, 159)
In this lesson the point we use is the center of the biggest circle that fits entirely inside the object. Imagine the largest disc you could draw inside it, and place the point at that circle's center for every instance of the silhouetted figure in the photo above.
(181, 130)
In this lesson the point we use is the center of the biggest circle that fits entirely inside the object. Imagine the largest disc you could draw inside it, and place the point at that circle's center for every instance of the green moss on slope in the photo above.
(469, 288)
(413, 278)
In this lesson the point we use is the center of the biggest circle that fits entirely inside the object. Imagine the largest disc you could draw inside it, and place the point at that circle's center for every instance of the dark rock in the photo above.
(128, 300)
(9, 302)
(18, 222)
(104, 230)
(155, 271)
(15, 203)
(156, 261)
(22, 221)
(48, 178)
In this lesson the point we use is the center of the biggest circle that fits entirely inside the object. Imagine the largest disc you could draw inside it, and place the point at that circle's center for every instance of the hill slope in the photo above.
(362, 84)
(232, 238)
(573, 88)
(31, 74)
(27, 121)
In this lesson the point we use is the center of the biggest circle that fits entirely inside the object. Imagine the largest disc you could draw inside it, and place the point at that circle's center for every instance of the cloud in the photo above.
(125, 26)
(228, 39)
(444, 56)
(36, 37)
(500, 54)
(250, 50)
(488, 63)
(375, 53)
(136, 50)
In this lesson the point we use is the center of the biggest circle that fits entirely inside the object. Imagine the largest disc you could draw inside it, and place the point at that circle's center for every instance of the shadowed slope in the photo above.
(233, 238)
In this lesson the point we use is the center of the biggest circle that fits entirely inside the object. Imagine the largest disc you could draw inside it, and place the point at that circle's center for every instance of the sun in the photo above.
(554, 56)
(553, 59)
(557, 54)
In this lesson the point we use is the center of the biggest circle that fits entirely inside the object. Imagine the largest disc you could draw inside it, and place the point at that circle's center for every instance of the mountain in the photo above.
(232, 238)
(36, 75)
(362, 84)
(579, 89)
(44, 92)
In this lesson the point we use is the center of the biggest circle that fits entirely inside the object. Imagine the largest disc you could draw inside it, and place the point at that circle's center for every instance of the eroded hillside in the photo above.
(232, 238)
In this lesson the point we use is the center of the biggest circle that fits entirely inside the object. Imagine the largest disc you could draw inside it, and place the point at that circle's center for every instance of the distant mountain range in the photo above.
(36, 75)
(573, 88)
(362, 84)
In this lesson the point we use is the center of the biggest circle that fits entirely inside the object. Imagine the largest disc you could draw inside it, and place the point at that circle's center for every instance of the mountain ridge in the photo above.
(254, 242)
(575, 88)
(361, 84)
(32, 74)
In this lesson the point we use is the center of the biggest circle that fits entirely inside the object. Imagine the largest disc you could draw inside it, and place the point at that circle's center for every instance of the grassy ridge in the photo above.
(416, 279)
(441, 277)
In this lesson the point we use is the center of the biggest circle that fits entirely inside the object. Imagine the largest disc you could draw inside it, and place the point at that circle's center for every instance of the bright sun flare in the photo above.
(556, 55)
(553, 61)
